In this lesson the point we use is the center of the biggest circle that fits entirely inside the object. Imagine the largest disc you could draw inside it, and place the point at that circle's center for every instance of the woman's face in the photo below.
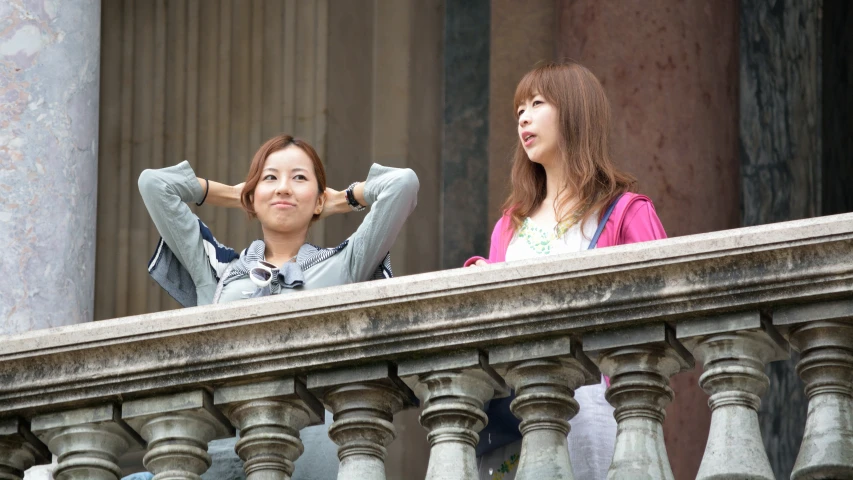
(538, 129)
(286, 197)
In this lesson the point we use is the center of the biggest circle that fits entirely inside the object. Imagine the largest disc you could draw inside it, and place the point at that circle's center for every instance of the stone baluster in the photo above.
(734, 349)
(178, 428)
(823, 334)
(453, 389)
(544, 374)
(270, 415)
(363, 400)
(639, 361)
(19, 449)
(87, 442)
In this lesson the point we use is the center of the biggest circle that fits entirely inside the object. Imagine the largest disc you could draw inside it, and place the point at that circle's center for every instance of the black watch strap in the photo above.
(353, 203)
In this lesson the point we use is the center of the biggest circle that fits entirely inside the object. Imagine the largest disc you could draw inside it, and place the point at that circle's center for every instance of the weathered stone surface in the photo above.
(640, 364)
(545, 403)
(363, 426)
(826, 366)
(318, 462)
(544, 374)
(453, 390)
(353, 343)
(177, 428)
(734, 349)
(269, 415)
(443, 311)
(88, 441)
(49, 65)
(19, 449)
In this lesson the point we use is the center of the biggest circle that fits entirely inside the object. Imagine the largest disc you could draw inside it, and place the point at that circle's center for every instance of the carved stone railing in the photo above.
(449, 341)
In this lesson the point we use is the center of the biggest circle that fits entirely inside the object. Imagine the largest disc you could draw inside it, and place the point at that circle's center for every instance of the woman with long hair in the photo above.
(566, 196)
(285, 190)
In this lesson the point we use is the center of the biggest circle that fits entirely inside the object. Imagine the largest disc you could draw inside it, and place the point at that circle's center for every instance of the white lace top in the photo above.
(533, 240)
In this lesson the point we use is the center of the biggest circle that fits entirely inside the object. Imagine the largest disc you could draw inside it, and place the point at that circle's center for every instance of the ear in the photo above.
(321, 202)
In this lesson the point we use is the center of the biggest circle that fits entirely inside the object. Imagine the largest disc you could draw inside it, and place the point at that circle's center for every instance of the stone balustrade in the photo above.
(164, 385)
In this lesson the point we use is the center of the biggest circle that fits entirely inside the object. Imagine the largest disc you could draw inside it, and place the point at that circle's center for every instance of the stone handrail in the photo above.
(170, 382)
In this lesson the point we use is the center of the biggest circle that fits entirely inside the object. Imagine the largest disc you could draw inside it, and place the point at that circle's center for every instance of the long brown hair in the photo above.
(275, 144)
(584, 123)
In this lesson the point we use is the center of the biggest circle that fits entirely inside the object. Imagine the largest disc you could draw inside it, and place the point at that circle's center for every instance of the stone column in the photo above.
(453, 389)
(639, 362)
(823, 334)
(87, 441)
(19, 449)
(464, 146)
(734, 349)
(177, 428)
(49, 62)
(545, 375)
(269, 415)
(364, 401)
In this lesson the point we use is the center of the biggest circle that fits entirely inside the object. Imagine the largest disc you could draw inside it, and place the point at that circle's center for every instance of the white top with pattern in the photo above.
(533, 240)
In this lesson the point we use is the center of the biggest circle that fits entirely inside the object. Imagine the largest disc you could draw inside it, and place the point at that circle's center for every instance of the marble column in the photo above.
(640, 361)
(464, 147)
(823, 334)
(364, 400)
(270, 415)
(826, 366)
(49, 81)
(734, 349)
(544, 374)
(87, 441)
(177, 428)
(453, 389)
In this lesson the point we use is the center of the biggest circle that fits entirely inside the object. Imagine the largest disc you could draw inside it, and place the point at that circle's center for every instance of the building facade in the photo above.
(730, 114)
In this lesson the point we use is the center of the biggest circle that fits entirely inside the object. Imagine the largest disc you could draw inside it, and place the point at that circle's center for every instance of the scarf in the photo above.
(288, 276)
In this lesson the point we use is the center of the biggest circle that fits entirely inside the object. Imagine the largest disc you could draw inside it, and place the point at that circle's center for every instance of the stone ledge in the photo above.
(408, 317)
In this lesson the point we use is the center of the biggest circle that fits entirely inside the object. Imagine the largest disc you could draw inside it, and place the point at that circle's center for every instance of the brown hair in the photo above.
(584, 121)
(275, 144)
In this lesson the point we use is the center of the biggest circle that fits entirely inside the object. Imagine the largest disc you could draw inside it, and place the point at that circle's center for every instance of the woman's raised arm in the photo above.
(391, 194)
(166, 192)
(221, 195)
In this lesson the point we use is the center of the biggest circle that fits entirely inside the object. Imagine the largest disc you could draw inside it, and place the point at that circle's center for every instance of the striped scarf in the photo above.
(288, 276)
(168, 272)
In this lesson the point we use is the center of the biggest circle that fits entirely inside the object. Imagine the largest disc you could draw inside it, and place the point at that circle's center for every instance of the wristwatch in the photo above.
(353, 203)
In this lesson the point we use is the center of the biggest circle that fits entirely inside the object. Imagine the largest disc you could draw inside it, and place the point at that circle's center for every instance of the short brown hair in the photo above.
(584, 124)
(275, 144)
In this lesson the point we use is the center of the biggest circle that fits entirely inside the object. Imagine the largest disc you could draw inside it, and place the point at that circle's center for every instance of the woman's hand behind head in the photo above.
(335, 202)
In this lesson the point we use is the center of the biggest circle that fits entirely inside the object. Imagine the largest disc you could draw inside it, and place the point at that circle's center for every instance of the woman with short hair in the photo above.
(286, 191)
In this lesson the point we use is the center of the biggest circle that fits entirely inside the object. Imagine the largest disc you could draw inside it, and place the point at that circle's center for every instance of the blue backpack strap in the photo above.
(594, 241)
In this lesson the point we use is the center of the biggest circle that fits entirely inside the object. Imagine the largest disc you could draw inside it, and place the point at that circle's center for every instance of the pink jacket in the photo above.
(633, 220)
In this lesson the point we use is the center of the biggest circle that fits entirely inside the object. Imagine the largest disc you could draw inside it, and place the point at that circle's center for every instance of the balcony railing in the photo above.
(449, 341)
